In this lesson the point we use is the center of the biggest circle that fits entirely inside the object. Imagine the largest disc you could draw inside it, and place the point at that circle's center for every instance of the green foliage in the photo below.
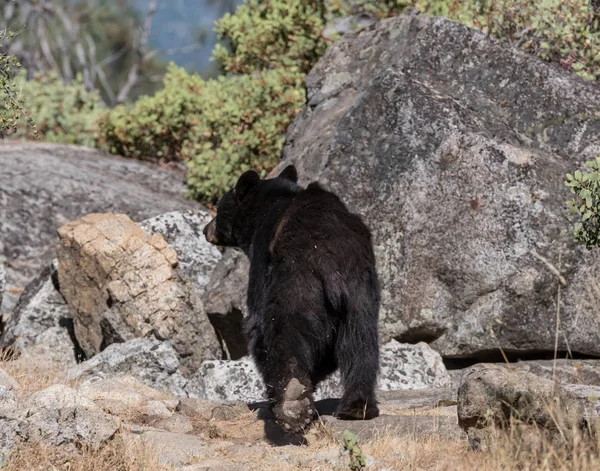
(561, 31)
(220, 127)
(10, 98)
(585, 186)
(64, 113)
(358, 459)
(283, 34)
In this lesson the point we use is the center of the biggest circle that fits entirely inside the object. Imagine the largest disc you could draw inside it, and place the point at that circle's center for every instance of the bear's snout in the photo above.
(210, 232)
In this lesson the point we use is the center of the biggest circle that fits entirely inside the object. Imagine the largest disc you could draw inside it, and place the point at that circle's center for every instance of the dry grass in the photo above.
(388, 452)
(33, 374)
(116, 456)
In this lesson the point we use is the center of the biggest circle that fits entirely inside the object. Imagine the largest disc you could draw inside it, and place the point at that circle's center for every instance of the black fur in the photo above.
(313, 293)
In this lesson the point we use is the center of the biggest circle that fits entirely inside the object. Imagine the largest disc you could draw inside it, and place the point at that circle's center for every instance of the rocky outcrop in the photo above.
(225, 301)
(454, 147)
(121, 283)
(492, 399)
(403, 366)
(40, 323)
(183, 232)
(44, 186)
(150, 361)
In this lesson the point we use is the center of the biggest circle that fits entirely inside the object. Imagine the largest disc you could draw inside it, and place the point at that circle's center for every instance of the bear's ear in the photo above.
(289, 173)
(246, 182)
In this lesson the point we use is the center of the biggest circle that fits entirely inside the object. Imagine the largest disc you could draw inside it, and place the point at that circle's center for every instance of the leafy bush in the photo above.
(586, 203)
(64, 113)
(283, 34)
(561, 31)
(220, 127)
(11, 101)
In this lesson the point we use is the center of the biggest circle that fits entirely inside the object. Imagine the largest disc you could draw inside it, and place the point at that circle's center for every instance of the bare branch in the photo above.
(45, 47)
(142, 46)
(105, 84)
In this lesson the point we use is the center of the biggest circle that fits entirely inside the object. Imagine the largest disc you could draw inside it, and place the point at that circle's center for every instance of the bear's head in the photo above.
(233, 225)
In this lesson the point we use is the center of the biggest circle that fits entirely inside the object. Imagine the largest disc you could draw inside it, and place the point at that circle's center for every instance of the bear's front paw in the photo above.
(296, 409)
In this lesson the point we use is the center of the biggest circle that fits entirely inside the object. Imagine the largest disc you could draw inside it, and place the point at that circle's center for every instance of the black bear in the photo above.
(313, 293)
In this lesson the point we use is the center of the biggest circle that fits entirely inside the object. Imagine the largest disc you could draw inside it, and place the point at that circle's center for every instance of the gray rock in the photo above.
(41, 323)
(225, 301)
(428, 398)
(122, 396)
(414, 427)
(57, 416)
(227, 380)
(492, 397)
(9, 431)
(563, 371)
(7, 382)
(454, 147)
(183, 232)
(403, 366)
(175, 449)
(150, 361)
(71, 427)
(45, 186)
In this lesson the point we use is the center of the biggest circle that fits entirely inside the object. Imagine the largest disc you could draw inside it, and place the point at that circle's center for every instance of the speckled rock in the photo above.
(150, 361)
(403, 366)
(41, 324)
(453, 147)
(225, 301)
(122, 283)
(490, 395)
(183, 232)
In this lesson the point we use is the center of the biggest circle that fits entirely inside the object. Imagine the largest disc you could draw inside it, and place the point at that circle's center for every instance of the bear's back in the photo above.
(317, 227)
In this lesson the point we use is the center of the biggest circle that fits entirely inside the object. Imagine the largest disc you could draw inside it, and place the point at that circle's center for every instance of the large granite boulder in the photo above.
(44, 186)
(122, 283)
(454, 147)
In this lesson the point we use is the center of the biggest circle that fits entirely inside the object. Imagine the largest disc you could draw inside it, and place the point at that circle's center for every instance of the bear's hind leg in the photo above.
(284, 359)
(358, 358)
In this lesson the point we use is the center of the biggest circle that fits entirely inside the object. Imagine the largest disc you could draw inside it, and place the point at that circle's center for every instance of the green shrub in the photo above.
(282, 34)
(561, 31)
(220, 127)
(64, 113)
(11, 100)
(585, 186)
